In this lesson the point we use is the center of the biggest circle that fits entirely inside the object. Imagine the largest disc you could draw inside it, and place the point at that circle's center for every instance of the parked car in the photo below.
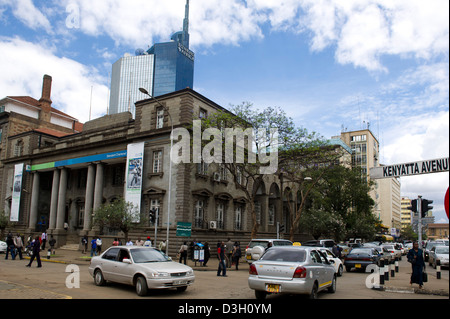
(142, 267)
(385, 255)
(438, 253)
(361, 257)
(328, 243)
(428, 247)
(293, 270)
(257, 247)
(334, 260)
(3, 247)
(393, 250)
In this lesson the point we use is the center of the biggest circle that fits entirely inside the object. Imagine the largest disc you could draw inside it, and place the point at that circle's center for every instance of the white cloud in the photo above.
(27, 13)
(26, 63)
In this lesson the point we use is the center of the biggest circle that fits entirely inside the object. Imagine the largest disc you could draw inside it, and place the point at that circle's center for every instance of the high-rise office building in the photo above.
(164, 68)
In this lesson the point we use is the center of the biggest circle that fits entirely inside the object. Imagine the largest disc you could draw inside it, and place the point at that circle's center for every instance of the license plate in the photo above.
(272, 288)
(358, 266)
(249, 257)
(180, 282)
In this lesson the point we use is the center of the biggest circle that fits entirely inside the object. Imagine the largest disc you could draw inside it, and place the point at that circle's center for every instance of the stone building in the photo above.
(69, 176)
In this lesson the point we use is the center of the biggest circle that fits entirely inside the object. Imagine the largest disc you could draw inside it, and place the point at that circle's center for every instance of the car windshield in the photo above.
(288, 255)
(361, 251)
(147, 256)
(442, 250)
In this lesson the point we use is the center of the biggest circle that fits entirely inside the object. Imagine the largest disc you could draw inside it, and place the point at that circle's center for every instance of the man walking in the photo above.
(36, 250)
(222, 265)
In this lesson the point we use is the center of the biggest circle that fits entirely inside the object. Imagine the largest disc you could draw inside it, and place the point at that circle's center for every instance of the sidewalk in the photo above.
(399, 283)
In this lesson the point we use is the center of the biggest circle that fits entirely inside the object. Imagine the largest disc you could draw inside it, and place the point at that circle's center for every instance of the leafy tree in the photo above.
(119, 214)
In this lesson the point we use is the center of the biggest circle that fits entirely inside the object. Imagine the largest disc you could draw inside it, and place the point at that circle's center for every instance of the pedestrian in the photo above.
(19, 245)
(36, 250)
(52, 243)
(222, 264)
(139, 242)
(415, 257)
(207, 254)
(229, 249)
(94, 246)
(162, 245)
(115, 242)
(148, 242)
(237, 253)
(44, 239)
(84, 243)
(10, 247)
(99, 245)
(183, 252)
(129, 243)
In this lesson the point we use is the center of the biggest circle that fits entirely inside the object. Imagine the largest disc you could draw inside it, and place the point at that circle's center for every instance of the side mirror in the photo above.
(126, 261)
(331, 261)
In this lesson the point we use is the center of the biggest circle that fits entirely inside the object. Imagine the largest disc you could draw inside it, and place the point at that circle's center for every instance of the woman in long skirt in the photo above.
(415, 257)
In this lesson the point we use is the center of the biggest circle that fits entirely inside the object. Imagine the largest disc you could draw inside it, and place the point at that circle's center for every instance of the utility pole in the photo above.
(419, 225)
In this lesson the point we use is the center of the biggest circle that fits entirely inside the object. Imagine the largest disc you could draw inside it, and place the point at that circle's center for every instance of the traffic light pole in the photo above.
(419, 226)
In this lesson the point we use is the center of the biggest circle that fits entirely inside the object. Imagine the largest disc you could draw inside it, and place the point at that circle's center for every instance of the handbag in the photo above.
(424, 277)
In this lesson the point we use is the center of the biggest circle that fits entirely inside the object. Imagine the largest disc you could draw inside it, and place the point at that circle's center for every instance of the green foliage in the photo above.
(119, 215)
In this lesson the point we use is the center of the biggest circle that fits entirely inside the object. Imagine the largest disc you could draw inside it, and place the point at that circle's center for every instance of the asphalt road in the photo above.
(53, 279)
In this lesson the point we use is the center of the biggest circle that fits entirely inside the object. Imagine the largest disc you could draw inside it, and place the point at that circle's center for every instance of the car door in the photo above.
(319, 271)
(123, 271)
(108, 262)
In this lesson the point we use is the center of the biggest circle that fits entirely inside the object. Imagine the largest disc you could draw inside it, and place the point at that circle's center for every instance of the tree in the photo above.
(251, 155)
(344, 192)
(119, 214)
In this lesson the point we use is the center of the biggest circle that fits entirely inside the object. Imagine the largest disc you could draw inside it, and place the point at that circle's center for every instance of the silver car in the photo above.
(142, 267)
(3, 247)
(292, 270)
(438, 253)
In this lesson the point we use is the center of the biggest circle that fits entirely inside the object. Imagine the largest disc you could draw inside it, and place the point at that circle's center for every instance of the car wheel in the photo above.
(181, 289)
(260, 295)
(332, 288)
(99, 280)
(314, 291)
(141, 286)
(340, 271)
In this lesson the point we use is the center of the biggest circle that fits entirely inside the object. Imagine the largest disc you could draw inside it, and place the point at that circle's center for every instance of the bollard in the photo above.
(381, 272)
(396, 266)
(438, 269)
(386, 272)
(48, 253)
(392, 272)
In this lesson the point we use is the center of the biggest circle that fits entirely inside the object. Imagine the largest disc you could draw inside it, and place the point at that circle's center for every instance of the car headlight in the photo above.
(160, 275)
(190, 273)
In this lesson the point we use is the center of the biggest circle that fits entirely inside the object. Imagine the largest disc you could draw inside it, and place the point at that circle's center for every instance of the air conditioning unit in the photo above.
(216, 177)
(213, 224)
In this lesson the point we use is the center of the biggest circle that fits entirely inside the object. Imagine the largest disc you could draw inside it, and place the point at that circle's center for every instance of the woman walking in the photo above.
(415, 257)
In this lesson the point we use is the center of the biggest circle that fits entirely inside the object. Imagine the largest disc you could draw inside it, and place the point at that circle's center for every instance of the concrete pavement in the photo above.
(399, 283)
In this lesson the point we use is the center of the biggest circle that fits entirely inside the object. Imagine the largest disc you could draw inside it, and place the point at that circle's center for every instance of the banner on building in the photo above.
(17, 191)
(133, 177)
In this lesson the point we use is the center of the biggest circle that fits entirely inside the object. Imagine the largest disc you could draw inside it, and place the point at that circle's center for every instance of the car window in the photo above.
(288, 255)
(147, 255)
(282, 243)
(255, 243)
(316, 257)
(123, 254)
(442, 250)
(111, 254)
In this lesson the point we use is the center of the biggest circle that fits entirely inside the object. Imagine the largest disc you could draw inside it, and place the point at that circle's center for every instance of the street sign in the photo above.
(408, 169)
(184, 229)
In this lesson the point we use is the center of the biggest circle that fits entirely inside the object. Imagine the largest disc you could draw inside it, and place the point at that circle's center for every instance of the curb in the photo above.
(405, 290)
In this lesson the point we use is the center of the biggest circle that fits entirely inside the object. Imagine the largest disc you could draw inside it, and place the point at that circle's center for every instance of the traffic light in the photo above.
(426, 206)
(413, 206)
(152, 215)
(281, 228)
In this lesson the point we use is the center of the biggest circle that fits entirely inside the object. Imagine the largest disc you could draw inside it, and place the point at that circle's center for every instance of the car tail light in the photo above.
(252, 270)
(300, 272)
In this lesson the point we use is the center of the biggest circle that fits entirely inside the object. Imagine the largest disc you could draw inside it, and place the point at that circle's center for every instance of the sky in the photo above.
(331, 65)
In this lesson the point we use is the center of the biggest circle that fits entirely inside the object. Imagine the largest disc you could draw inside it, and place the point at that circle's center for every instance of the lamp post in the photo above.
(144, 91)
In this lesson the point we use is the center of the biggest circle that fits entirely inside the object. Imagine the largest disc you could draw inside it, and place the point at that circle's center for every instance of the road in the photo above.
(50, 281)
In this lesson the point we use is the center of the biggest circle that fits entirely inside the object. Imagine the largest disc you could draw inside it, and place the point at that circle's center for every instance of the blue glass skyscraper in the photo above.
(164, 68)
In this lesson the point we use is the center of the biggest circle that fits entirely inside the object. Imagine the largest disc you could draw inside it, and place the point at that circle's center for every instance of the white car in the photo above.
(335, 261)
(3, 247)
(142, 267)
(438, 253)
(292, 270)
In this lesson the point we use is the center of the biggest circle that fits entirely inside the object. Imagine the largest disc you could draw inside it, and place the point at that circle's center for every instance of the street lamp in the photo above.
(144, 91)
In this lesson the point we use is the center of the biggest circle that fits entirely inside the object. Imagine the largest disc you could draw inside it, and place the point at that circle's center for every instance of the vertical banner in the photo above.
(133, 188)
(17, 191)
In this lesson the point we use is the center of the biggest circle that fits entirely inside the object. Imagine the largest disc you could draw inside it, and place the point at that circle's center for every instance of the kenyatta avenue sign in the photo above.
(408, 169)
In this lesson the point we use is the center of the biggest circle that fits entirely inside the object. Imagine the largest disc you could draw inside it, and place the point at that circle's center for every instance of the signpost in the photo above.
(409, 169)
